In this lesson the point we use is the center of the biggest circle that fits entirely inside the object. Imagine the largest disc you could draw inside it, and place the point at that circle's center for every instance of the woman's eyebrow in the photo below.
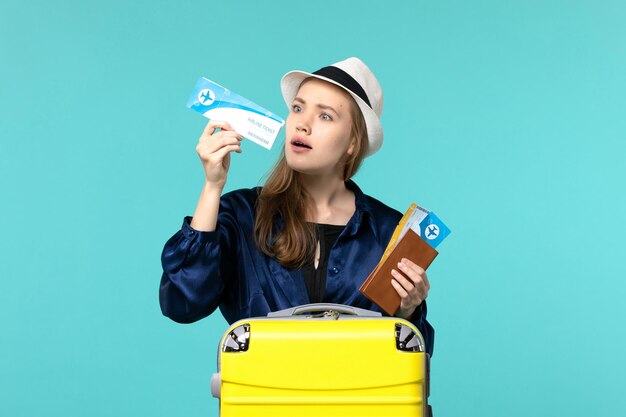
(321, 106)
(325, 107)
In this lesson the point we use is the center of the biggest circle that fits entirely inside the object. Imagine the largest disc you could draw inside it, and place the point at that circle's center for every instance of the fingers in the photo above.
(416, 273)
(406, 284)
(409, 263)
(210, 128)
(399, 288)
(219, 135)
(211, 141)
(221, 154)
(214, 153)
(214, 148)
(411, 283)
(409, 298)
(209, 144)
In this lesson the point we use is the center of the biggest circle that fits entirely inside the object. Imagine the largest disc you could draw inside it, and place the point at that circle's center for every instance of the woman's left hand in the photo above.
(413, 290)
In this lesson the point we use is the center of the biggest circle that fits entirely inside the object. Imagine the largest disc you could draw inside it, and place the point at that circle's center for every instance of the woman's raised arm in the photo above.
(214, 148)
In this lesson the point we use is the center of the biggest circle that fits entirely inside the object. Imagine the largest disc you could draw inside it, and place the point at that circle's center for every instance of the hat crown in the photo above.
(366, 79)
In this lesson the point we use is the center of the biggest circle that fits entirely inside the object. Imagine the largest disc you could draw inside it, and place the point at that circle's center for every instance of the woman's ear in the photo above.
(352, 146)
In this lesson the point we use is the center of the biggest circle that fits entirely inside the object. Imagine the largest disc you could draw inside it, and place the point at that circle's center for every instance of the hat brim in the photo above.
(290, 83)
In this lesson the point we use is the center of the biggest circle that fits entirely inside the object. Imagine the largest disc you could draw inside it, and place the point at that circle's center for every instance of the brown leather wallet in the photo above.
(377, 287)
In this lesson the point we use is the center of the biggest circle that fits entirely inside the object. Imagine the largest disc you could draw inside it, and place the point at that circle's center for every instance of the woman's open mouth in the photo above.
(298, 145)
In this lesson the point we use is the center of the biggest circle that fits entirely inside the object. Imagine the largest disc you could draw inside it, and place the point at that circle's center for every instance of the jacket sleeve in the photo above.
(427, 331)
(195, 264)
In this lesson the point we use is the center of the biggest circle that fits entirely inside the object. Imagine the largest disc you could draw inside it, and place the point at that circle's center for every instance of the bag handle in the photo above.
(323, 307)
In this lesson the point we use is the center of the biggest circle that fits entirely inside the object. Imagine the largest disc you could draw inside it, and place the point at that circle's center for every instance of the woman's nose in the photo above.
(301, 127)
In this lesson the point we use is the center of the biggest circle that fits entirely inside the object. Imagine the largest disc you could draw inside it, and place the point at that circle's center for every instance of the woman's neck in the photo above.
(332, 202)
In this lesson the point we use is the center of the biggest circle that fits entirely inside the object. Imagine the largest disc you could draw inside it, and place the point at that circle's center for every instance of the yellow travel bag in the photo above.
(322, 360)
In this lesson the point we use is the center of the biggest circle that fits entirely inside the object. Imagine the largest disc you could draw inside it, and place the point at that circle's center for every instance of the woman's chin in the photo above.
(302, 169)
(307, 166)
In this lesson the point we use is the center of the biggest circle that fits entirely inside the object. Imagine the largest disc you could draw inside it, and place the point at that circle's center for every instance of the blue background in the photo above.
(506, 118)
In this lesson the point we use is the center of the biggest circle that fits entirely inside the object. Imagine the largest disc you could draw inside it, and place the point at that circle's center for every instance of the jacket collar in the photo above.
(364, 212)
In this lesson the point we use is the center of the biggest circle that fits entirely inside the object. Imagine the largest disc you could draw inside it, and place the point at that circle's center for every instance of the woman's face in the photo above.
(318, 129)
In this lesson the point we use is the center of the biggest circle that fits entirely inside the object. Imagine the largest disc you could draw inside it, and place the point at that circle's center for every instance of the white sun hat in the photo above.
(357, 79)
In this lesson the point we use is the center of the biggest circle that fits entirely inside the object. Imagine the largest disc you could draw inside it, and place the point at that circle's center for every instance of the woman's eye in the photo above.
(295, 108)
(326, 117)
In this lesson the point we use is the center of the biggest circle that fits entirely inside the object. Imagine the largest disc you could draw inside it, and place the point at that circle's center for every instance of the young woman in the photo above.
(310, 234)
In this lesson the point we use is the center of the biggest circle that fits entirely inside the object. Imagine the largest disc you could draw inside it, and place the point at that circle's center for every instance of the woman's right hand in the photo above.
(214, 150)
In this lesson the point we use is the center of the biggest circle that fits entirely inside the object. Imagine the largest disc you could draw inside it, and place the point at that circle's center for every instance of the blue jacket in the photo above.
(224, 268)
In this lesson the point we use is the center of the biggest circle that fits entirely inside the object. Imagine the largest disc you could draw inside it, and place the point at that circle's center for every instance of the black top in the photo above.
(315, 279)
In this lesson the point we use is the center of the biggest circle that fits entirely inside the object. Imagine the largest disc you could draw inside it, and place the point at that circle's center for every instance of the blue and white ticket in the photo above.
(247, 118)
(427, 225)
(433, 230)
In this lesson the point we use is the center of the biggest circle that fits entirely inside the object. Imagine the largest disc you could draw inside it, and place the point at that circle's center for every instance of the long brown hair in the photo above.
(284, 197)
